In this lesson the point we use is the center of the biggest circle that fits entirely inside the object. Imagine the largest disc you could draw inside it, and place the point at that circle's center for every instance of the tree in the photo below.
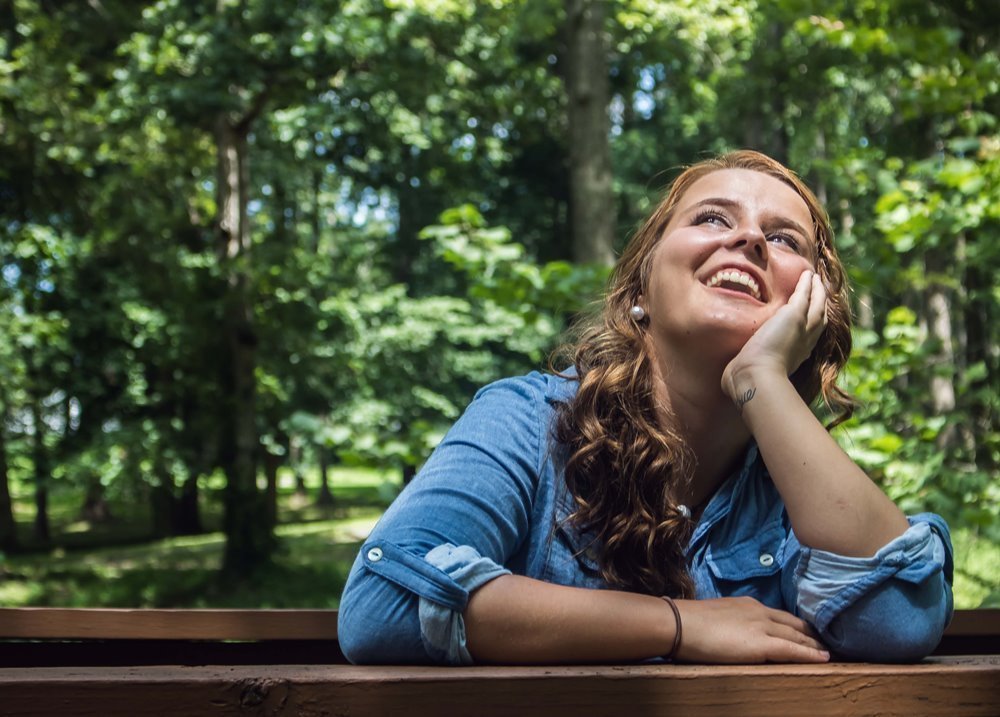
(588, 95)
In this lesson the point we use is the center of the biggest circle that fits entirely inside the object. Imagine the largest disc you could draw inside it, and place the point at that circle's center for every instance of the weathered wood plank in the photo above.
(981, 621)
(46, 623)
(956, 687)
(123, 653)
(972, 632)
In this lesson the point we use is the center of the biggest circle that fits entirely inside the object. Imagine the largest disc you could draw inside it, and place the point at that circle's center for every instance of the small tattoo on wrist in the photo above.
(744, 399)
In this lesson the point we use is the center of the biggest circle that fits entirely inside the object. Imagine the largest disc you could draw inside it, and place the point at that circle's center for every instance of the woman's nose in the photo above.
(752, 241)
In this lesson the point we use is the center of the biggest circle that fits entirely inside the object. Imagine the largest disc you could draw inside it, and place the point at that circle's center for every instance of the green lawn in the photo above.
(112, 566)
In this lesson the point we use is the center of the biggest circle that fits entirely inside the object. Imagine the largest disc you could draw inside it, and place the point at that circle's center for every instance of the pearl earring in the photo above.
(638, 313)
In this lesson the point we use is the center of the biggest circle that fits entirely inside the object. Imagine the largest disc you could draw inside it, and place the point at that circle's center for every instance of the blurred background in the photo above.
(257, 255)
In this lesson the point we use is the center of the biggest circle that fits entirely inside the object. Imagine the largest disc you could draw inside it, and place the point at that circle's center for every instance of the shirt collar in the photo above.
(726, 497)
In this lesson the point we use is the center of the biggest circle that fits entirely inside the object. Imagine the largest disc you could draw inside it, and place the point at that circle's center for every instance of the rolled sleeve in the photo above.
(893, 605)
(442, 626)
(452, 530)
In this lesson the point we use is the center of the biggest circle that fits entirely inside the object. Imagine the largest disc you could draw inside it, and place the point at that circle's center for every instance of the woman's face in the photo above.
(729, 258)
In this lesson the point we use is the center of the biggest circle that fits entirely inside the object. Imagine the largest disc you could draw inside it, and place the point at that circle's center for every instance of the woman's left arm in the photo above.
(831, 503)
(873, 585)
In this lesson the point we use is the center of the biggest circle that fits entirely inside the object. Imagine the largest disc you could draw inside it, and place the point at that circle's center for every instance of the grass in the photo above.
(116, 565)
(113, 566)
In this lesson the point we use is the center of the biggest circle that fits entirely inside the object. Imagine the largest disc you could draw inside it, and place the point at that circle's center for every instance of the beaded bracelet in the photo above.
(677, 635)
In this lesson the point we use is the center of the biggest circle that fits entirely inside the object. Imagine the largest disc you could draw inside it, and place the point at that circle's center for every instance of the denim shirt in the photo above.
(491, 500)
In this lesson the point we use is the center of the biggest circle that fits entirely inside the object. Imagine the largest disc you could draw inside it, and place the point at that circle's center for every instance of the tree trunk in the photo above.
(272, 462)
(412, 204)
(295, 463)
(315, 216)
(325, 496)
(40, 458)
(978, 350)
(592, 205)
(95, 508)
(161, 506)
(8, 528)
(764, 126)
(187, 519)
(940, 337)
(249, 536)
(863, 296)
(161, 497)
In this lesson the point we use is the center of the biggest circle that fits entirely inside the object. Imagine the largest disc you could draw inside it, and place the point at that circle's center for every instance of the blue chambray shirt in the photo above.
(491, 500)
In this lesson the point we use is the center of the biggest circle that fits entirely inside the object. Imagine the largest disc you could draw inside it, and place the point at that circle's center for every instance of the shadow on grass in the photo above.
(308, 571)
(131, 522)
(118, 564)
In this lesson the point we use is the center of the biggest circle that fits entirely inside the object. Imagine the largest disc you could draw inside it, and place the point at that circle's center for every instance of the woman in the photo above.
(677, 458)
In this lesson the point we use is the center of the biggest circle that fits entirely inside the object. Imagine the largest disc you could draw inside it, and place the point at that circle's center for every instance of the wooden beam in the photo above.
(44, 623)
(955, 687)
(981, 621)
(51, 623)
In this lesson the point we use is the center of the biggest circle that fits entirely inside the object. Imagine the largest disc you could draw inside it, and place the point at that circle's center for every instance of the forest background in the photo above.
(257, 255)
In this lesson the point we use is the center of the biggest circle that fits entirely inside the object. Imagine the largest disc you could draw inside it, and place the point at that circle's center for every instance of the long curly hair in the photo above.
(623, 466)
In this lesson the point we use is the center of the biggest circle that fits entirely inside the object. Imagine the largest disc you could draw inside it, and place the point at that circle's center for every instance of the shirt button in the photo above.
(766, 559)
(375, 554)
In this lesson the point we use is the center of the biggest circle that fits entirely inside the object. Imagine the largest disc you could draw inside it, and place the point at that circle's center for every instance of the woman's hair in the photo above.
(623, 466)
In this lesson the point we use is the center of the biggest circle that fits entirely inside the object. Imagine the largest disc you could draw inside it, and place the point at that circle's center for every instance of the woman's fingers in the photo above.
(787, 651)
(735, 630)
(816, 315)
(795, 636)
(799, 641)
(786, 618)
(801, 296)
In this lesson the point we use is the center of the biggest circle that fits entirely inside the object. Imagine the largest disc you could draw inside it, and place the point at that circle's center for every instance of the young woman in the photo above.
(671, 494)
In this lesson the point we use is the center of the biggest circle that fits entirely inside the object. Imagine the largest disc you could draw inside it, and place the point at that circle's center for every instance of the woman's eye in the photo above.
(712, 218)
(786, 239)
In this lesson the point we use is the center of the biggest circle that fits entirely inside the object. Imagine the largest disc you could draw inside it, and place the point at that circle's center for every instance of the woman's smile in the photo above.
(738, 280)
(728, 259)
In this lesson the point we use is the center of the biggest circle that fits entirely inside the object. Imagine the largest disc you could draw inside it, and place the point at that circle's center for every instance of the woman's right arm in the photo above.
(451, 531)
(518, 620)
(429, 585)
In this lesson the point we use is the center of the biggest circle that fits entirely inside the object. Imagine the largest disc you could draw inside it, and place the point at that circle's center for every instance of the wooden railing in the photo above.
(191, 662)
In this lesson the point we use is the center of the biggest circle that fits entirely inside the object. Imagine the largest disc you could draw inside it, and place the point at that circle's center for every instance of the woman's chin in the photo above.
(712, 344)
(727, 335)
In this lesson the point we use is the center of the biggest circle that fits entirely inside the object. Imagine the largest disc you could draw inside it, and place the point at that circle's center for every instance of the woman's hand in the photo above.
(785, 340)
(742, 630)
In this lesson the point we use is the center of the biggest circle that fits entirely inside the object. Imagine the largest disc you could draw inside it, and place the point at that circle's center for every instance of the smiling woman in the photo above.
(671, 494)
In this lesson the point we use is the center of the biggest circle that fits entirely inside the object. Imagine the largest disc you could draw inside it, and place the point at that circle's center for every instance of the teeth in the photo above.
(736, 277)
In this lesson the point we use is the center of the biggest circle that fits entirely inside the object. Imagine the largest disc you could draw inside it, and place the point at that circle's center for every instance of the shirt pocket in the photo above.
(568, 561)
(751, 566)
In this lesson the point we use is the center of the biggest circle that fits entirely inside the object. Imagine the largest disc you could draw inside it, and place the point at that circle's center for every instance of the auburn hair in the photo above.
(623, 466)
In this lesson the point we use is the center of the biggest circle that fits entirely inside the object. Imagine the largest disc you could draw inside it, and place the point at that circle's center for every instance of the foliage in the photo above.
(502, 315)
(897, 440)
(406, 200)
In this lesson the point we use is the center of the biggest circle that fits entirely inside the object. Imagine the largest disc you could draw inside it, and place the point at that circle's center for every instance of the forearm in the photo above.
(515, 619)
(832, 504)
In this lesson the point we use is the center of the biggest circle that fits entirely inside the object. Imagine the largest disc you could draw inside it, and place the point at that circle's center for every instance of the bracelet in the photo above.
(677, 635)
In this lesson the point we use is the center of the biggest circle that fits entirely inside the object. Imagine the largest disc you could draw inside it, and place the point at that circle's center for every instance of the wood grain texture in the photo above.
(981, 621)
(49, 623)
(956, 687)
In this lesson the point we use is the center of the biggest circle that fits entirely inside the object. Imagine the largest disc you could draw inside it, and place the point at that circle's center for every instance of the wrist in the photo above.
(740, 382)
(676, 641)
